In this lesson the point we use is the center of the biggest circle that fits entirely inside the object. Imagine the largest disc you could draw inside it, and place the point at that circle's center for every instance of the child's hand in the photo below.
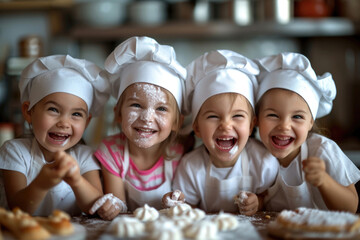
(73, 175)
(174, 198)
(108, 207)
(53, 173)
(247, 202)
(315, 171)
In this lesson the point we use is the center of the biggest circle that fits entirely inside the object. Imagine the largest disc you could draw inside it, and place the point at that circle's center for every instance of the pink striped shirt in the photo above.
(110, 153)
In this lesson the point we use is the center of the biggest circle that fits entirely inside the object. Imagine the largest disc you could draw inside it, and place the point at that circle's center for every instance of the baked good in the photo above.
(125, 227)
(182, 221)
(178, 210)
(194, 214)
(314, 221)
(146, 213)
(57, 223)
(22, 225)
(204, 229)
(164, 229)
(225, 221)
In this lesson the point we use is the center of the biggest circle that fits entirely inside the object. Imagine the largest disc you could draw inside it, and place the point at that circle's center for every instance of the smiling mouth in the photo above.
(145, 131)
(226, 144)
(282, 141)
(59, 137)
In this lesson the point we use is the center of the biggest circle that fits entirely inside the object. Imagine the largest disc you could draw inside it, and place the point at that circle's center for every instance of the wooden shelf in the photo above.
(31, 5)
(221, 30)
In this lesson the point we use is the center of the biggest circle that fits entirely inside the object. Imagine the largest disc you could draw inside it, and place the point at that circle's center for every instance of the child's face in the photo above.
(146, 116)
(224, 124)
(58, 121)
(284, 122)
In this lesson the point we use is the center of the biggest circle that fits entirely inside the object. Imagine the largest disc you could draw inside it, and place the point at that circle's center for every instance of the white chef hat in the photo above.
(143, 60)
(219, 71)
(62, 73)
(293, 71)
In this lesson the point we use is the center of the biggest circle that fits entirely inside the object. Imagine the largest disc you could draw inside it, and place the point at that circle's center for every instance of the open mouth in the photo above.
(226, 144)
(145, 132)
(282, 141)
(59, 138)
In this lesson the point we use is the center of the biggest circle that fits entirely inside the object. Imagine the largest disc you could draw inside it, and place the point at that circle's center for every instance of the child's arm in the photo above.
(87, 188)
(29, 197)
(115, 203)
(336, 196)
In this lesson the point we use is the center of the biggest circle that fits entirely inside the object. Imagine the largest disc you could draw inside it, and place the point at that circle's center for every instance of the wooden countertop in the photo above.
(96, 227)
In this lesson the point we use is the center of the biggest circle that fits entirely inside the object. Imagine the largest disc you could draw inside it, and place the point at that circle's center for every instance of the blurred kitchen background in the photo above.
(326, 31)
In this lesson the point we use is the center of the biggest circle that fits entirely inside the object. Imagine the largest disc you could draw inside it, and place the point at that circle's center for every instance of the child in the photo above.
(314, 172)
(50, 170)
(220, 90)
(147, 82)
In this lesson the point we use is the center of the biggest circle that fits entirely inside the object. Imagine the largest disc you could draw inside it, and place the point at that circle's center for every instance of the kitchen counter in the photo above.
(97, 228)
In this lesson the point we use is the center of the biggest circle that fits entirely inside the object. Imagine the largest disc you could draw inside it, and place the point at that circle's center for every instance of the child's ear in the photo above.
(311, 124)
(253, 124)
(117, 114)
(88, 120)
(196, 129)
(26, 113)
(175, 126)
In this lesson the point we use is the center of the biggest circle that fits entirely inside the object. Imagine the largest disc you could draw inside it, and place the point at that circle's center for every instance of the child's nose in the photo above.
(225, 124)
(63, 122)
(285, 124)
(147, 115)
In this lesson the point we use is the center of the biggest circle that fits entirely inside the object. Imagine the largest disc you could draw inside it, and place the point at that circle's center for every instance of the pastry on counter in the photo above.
(314, 223)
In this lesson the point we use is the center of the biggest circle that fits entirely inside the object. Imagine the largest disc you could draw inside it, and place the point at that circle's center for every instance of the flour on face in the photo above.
(149, 114)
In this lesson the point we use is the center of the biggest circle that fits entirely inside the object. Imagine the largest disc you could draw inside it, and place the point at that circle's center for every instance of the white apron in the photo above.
(219, 194)
(295, 196)
(59, 197)
(136, 198)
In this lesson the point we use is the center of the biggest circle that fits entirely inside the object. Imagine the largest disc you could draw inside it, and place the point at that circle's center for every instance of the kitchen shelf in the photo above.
(298, 27)
(31, 5)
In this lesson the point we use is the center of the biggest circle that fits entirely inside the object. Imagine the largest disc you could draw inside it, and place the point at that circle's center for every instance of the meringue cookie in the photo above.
(165, 230)
(204, 229)
(127, 227)
(179, 209)
(146, 213)
(195, 214)
(225, 221)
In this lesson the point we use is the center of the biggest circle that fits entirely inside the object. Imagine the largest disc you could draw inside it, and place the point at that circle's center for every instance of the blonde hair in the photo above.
(173, 137)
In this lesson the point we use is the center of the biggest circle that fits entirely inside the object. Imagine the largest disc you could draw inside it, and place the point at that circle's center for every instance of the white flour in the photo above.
(147, 117)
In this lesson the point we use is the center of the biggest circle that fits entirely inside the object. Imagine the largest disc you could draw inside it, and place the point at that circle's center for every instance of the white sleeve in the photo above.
(264, 167)
(186, 180)
(15, 155)
(338, 165)
(85, 158)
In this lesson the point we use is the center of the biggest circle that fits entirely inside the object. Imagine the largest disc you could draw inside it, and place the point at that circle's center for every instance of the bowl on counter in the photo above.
(100, 13)
(148, 12)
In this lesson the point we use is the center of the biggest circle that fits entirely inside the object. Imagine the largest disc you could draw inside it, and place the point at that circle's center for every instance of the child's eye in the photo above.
(238, 116)
(211, 116)
(162, 109)
(272, 115)
(136, 105)
(298, 117)
(52, 109)
(77, 114)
